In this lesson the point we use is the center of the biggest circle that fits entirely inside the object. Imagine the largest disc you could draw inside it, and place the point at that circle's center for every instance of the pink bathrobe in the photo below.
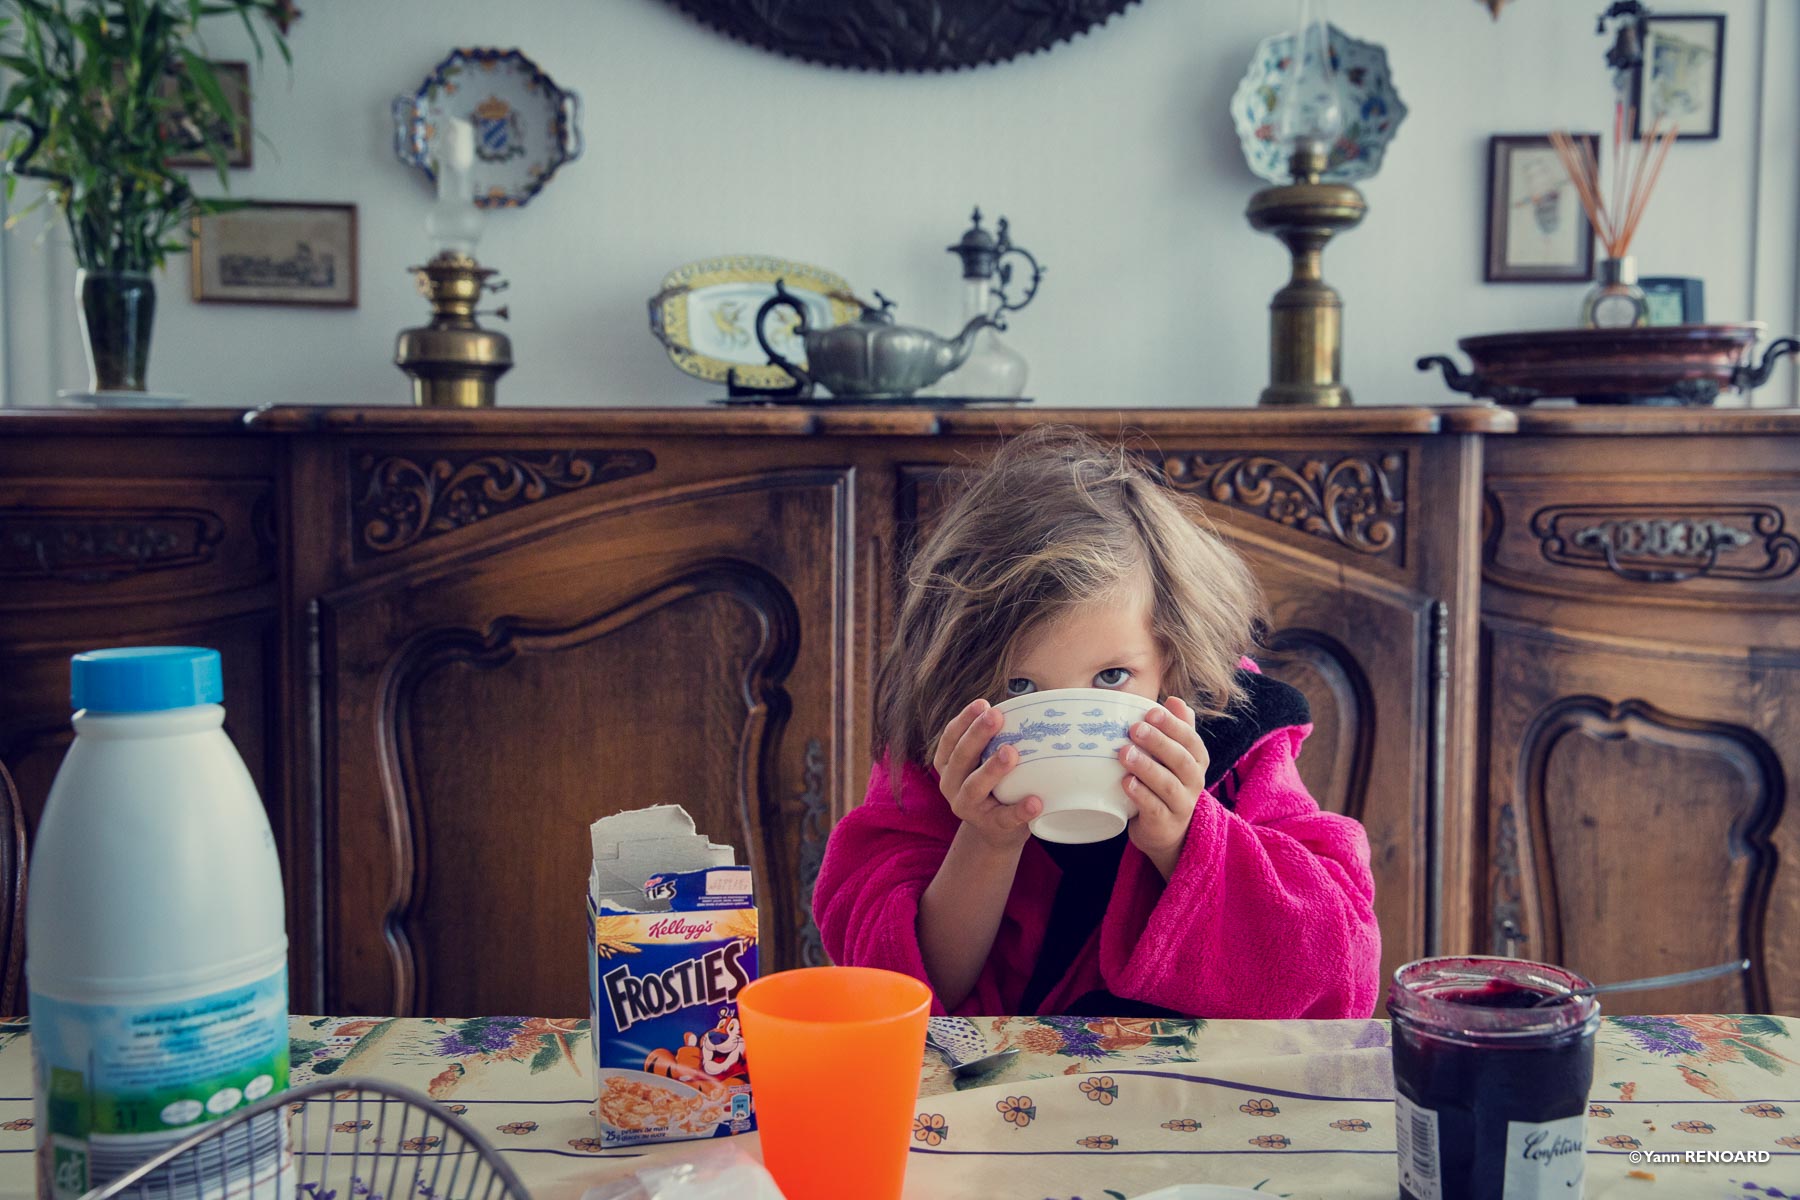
(1269, 912)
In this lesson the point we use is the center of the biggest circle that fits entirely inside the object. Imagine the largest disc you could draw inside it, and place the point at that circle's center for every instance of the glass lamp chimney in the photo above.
(1310, 108)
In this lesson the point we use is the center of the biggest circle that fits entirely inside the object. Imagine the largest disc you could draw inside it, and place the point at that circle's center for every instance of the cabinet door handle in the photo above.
(1713, 536)
(1510, 938)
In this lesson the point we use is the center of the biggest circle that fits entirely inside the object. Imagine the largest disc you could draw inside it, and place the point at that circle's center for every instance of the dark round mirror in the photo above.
(903, 35)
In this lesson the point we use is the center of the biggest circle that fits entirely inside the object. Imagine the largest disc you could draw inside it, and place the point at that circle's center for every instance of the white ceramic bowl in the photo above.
(1068, 742)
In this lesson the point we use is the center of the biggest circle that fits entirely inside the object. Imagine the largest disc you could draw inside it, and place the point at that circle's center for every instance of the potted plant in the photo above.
(101, 94)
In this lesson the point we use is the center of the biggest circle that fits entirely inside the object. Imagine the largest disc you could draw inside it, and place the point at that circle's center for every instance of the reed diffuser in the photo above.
(1615, 301)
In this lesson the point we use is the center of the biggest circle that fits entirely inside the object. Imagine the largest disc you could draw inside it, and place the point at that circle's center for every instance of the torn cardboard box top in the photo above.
(671, 942)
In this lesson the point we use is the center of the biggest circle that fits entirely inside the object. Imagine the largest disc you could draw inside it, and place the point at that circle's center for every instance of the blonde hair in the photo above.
(1057, 519)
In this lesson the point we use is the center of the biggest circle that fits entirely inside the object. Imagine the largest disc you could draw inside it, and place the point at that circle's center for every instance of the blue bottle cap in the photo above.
(145, 679)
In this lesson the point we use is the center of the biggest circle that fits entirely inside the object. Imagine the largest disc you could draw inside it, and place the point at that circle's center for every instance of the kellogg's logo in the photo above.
(680, 927)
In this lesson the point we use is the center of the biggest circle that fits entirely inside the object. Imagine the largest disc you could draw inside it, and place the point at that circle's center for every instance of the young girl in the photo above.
(1229, 895)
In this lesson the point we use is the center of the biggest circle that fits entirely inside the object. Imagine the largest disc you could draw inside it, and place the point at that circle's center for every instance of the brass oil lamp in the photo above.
(453, 361)
(1306, 316)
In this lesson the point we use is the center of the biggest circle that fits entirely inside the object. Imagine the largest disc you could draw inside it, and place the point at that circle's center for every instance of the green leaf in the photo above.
(1759, 1026)
(1755, 1055)
(299, 1050)
(547, 1056)
(327, 1066)
(207, 81)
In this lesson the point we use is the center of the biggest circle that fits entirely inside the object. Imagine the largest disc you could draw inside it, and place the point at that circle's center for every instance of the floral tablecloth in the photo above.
(1103, 1109)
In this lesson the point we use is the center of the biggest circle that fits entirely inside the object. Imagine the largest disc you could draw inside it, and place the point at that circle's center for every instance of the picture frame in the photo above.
(277, 252)
(234, 79)
(1674, 299)
(1537, 231)
(1682, 74)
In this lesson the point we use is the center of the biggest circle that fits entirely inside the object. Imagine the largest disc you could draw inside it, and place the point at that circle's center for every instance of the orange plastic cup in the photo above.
(835, 1055)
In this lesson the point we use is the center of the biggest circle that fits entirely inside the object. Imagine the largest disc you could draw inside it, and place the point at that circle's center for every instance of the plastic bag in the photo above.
(710, 1172)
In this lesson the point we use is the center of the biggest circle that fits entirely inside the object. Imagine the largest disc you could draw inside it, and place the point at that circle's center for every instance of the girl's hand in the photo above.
(1165, 772)
(968, 783)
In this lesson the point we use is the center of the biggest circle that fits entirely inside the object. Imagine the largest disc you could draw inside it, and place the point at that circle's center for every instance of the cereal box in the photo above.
(666, 960)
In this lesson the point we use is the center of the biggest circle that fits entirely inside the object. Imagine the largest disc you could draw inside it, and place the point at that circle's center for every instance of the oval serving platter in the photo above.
(525, 126)
(705, 315)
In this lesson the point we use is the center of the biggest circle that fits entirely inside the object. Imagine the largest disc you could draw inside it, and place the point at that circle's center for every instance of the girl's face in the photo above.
(1104, 643)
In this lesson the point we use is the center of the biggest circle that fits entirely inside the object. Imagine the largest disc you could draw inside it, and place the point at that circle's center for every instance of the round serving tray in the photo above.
(1669, 364)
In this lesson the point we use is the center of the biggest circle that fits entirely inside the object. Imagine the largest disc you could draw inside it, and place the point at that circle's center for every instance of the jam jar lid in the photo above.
(1483, 998)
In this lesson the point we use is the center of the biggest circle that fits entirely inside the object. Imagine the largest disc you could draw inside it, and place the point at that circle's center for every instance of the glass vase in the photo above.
(993, 370)
(117, 309)
(1616, 301)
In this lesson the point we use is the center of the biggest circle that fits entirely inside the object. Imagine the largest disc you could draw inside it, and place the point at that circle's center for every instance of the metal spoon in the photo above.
(1653, 981)
(960, 1041)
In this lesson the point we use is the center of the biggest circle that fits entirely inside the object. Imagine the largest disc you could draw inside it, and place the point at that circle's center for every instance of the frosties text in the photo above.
(712, 979)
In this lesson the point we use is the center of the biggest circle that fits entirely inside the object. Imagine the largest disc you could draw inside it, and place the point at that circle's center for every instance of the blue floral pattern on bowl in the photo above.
(1371, 107)
(1033, 731)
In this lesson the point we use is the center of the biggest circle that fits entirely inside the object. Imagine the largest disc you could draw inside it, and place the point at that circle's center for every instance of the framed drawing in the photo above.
(1537, 231)
(1681, 75)
(271, 252)
(234, 80)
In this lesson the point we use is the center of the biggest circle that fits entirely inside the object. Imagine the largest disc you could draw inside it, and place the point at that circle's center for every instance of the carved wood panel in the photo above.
(1638, 805)
(733, 630)
(486, 714)
(400, 499)
(99, 542)
(1360, 650)
(1676, 541)
(1356, 501)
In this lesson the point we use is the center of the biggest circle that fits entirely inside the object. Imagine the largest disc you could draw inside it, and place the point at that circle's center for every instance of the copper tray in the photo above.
(1668, 364)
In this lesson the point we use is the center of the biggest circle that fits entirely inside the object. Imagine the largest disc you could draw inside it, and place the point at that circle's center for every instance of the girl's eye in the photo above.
(1113, 677)
(1020, 687)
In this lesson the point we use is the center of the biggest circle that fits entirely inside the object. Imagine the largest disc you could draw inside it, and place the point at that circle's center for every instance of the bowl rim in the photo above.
(1014, 703)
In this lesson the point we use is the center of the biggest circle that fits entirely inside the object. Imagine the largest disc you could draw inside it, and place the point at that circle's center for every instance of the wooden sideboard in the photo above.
(453, 639)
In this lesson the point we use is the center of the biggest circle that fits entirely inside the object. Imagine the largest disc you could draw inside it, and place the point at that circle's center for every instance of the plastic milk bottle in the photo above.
(155, 938)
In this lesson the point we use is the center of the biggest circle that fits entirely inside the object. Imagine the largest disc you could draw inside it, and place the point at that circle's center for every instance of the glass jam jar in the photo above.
(1491, 1090)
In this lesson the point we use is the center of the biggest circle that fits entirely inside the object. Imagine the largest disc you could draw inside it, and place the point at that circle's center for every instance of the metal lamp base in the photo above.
(1305, 395)
(1306, 315)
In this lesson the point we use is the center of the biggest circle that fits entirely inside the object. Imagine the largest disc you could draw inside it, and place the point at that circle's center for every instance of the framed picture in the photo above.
(1537, 231)
(1683, 67)
(234, 80)
(1674, 299)
(271, 252)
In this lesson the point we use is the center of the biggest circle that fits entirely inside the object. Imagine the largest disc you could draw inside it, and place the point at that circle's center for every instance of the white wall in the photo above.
(1113, 156)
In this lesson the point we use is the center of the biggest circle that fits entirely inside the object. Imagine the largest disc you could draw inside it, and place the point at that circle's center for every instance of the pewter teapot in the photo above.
(870, 356)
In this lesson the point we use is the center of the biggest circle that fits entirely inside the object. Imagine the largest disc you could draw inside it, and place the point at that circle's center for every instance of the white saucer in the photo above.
(122, 399)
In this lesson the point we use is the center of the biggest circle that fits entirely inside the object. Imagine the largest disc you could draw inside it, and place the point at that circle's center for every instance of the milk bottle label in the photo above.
(117, 1083)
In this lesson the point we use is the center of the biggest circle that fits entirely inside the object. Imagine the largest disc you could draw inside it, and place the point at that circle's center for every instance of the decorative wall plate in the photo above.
(705, 314)
(525, 126)
(1372, 108)
(903, 35)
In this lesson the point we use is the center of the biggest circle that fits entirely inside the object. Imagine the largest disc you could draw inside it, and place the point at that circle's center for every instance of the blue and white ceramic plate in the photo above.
(1372, 108)
(525, 126)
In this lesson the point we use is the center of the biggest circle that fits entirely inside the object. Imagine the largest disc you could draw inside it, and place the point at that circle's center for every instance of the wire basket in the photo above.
(346, 1139)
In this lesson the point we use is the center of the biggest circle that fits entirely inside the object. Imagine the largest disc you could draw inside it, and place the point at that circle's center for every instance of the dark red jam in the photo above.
(1492, 1066)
